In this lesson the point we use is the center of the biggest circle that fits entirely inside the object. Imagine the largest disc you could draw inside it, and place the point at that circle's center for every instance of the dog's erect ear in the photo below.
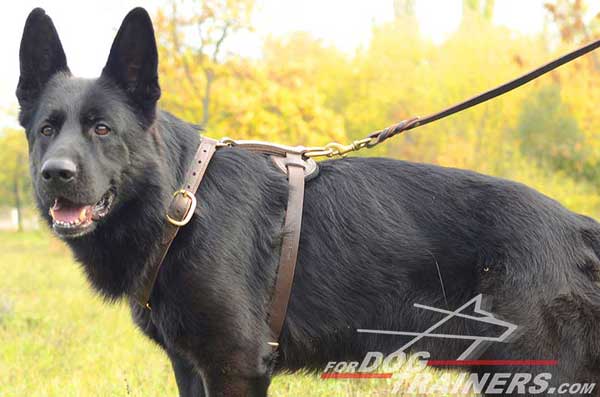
(133, 60)
(41, 56)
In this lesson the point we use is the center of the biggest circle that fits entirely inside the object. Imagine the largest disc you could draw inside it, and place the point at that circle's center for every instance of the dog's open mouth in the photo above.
(74, 220)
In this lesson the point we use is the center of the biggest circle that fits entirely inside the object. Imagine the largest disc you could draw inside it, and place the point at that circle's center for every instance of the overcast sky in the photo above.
(87, 28)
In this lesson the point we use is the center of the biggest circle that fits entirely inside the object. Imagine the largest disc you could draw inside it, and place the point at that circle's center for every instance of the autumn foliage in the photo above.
(302, 91)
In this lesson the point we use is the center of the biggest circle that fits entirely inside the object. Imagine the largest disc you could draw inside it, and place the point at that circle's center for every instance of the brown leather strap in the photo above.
(289, 247)
(311, 169)
(181, 210)
(278, 154)
(263, 147)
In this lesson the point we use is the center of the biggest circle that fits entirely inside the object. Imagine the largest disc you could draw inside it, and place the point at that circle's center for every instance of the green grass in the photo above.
(58, 339)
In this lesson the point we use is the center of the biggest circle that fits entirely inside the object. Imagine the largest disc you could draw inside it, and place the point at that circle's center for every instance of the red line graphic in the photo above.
(354, 375)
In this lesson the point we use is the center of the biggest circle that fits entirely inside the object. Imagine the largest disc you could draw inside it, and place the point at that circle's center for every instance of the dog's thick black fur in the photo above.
(374, 233)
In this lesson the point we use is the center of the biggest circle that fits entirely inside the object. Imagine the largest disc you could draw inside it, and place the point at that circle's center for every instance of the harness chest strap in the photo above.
(181, 210)
(296, 167)
(183, 205)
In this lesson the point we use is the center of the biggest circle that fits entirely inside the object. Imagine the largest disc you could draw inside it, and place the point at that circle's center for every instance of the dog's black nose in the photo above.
(59, 170)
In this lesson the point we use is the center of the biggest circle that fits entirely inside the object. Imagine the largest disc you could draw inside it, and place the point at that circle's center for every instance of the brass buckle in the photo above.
(190, 212)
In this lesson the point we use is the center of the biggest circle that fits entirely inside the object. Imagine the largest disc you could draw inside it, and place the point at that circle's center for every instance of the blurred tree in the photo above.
(404, 8)
(383, 87)
(288, 96)
(483, 8)
(579, 81)
(549, 133)
(400, 74)
(570, 17)
(15, 187)
(193, 35)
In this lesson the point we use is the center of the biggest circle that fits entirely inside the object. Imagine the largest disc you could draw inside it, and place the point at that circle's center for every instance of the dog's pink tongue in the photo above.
(70, 213)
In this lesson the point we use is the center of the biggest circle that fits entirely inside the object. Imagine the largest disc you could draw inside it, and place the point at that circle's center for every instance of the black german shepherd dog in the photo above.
(378, 235)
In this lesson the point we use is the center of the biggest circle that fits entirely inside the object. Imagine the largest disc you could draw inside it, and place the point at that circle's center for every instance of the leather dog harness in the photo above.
(297, 164)
(289, 160)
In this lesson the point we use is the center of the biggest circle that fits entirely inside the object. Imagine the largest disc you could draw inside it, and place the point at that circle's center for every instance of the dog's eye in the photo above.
(101, 129)
(47, 130)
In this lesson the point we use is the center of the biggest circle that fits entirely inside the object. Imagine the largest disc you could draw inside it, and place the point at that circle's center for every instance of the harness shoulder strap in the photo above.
(295, 166)
(180, 212)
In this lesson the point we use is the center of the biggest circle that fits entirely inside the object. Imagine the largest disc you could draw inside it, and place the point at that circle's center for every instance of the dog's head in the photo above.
(83, 133)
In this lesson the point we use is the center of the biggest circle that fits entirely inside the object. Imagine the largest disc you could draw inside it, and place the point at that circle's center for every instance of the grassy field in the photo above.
(58, 339)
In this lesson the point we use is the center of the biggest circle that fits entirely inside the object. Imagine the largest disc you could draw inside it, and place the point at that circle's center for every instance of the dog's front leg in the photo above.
(237, 374)
(188, 379)
(226, 384)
